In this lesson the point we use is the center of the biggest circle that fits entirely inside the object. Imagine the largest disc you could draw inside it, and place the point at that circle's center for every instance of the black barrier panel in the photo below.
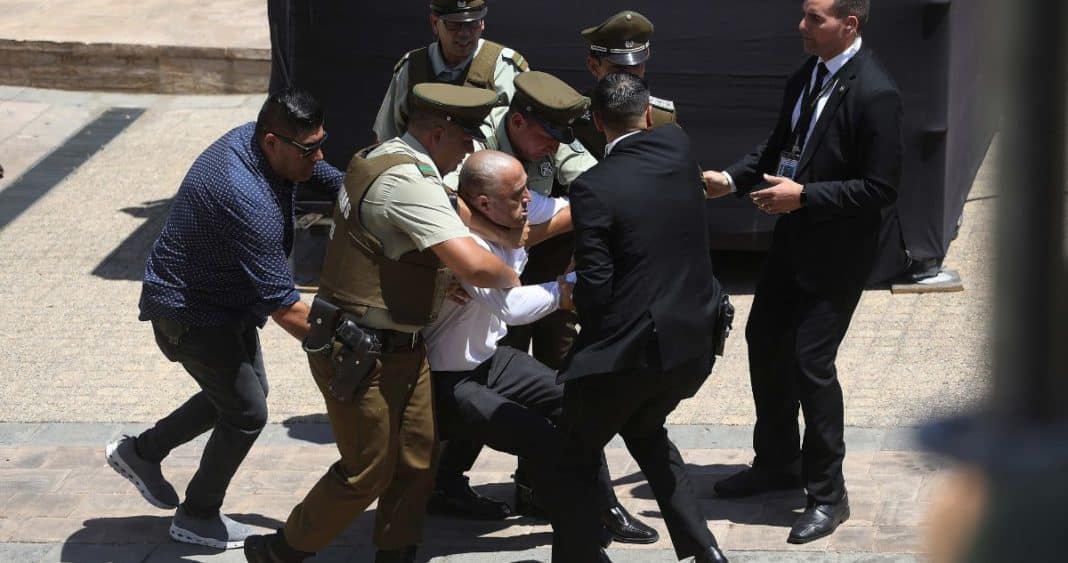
(723, 64)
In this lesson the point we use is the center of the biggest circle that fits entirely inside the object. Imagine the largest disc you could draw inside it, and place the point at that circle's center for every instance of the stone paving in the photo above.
(58, 492)
(76, 368)
(174, 46)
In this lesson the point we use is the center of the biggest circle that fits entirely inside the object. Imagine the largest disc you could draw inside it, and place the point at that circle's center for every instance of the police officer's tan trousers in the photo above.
(388, 447)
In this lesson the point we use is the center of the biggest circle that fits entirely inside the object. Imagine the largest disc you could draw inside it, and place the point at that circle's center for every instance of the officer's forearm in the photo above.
(475, 265)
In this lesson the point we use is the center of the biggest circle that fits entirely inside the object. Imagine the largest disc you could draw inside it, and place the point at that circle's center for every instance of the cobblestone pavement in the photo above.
(62, 503)
(232, 23)
(76, 368)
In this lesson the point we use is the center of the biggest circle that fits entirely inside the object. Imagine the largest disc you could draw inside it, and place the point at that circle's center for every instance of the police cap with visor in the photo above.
(623, 38)
(459, 10)
(550, 102)
(463, 105)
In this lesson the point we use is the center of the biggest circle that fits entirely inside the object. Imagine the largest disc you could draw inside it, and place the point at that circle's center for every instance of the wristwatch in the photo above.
(803, 196)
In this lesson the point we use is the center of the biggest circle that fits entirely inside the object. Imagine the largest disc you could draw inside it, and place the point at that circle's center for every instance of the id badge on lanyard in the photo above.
(788, 161)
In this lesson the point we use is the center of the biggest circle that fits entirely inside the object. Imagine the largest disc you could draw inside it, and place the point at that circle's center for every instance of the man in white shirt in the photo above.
(496, 395)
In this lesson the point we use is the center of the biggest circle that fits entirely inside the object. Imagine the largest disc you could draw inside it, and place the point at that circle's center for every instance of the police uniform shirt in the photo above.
(464, 336)
(567, 164)
(407, 211)
(392, 120)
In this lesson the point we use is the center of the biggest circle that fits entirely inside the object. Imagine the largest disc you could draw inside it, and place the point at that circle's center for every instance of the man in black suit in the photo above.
(836, 157)
(647, 301)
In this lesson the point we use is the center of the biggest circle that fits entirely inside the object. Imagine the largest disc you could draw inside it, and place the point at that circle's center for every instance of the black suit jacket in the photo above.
(642, 258)
(851, 168)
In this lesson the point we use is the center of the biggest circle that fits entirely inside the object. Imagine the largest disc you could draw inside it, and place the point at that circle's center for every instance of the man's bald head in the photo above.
(487, 172)
(495, 184)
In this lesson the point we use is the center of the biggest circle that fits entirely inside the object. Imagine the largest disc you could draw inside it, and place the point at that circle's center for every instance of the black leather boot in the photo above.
(272, 549)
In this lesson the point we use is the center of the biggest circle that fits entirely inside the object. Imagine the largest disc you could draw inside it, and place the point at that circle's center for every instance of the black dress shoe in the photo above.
(625, 528)
(819, 520)
(405, 555)
(272, 549)
(710, 555)
(757, 480)
(457, 498)
(526, 503)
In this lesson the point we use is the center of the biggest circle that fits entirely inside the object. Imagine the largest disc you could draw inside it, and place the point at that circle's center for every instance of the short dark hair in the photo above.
(860, 8)
(290, 112)
(424, 119)
(619, 99)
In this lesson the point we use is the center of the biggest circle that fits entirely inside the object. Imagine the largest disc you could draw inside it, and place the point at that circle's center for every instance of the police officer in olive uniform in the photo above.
(619, 44)
(459, 56)
(395, 246)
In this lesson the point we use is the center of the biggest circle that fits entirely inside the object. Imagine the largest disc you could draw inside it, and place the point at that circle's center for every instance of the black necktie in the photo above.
(808, 105)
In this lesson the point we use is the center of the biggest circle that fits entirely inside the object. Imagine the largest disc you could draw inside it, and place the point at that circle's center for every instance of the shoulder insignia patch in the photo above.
(427, 170)
(577, 146)
(400, 64)
(515, 58)
(660, 103)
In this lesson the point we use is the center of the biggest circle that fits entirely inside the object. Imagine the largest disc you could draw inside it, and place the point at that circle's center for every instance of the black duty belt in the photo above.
(395, 340)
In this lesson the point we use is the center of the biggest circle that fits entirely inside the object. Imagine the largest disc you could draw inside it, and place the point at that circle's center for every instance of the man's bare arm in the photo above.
(558, 225)
(293, 319)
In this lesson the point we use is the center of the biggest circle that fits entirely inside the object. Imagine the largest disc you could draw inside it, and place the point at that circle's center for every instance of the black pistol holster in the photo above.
(354, 350)
(724, 323)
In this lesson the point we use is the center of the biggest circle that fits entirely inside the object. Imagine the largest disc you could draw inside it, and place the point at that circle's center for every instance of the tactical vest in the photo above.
(356, 272)
(478, 74)
(594, 141)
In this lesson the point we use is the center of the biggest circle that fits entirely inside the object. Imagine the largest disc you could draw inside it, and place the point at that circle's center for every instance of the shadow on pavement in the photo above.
(314, 428)
(772, 509)
(127, 262)
(134, 538)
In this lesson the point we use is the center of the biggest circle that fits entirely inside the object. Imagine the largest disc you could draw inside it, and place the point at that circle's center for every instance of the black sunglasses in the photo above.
(305, 150)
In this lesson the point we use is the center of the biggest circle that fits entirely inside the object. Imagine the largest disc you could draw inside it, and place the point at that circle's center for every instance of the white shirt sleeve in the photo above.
(542, 208)
(518, 305)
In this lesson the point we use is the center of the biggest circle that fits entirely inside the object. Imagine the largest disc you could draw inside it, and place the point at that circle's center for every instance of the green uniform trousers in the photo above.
(388, 446)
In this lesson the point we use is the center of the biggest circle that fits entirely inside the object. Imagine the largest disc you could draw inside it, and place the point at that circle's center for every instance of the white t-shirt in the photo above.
(464, 336)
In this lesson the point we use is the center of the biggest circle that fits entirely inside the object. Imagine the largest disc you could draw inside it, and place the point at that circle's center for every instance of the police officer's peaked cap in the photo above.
(463, 105)
(459, 10)
(623, 38)
(551, 102)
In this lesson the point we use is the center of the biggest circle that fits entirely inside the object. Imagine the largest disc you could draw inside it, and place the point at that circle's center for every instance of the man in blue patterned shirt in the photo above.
(215, 274)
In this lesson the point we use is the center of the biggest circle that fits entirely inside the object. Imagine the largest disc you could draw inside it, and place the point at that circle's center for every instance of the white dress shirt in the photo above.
(833, 66)
(464, 336)
(608, 148)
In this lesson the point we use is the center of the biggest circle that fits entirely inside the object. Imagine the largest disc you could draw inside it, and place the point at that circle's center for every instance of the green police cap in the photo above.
(550, 101)
(459, 10)
(465, 106)
(623, 38)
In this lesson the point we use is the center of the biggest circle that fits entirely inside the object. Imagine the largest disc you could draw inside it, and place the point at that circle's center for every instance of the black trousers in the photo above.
(634, 405)
(793, 337)
(227, 364)
(511, 403)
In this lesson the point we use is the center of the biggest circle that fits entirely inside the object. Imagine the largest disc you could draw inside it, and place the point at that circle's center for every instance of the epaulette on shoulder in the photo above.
(660, 103)
(515, 58)
(427, 170)
(403, 61)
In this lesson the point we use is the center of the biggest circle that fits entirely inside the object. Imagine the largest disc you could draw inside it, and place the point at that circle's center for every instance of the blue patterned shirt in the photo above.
(222, 257)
